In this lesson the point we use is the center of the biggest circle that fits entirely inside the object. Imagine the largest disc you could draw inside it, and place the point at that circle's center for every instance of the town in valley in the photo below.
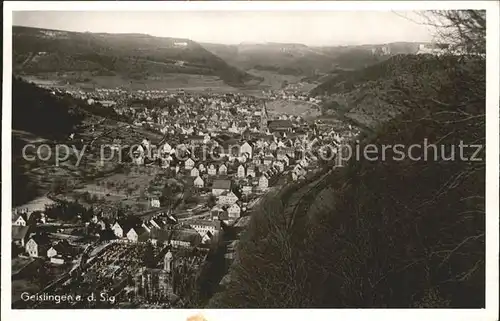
(188, 217)
(243, 167)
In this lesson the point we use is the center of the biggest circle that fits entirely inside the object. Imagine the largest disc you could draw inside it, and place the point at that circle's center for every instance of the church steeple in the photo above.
(167, 262)
(263, 118)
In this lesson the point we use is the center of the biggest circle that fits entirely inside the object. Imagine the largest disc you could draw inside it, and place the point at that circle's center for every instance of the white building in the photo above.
(195, 172)
(241, 171)
(189, 164)
(155, 202)
(263, 182)
(246, 149)
(20, 221)
(198, 182)
(234, 211)
(212, 171)
(117, 229)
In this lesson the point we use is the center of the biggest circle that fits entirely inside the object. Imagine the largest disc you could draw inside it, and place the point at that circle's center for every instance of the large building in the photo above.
(156, 285)
(280, 125)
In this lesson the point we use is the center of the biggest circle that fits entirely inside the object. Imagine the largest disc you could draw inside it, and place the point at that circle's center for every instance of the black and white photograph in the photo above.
(257, 158)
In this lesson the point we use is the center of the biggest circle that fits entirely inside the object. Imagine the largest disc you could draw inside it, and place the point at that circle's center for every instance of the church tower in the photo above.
(167, 262)
(263, 118)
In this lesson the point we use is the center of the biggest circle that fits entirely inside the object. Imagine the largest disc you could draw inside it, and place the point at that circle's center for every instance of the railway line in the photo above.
(300, 198)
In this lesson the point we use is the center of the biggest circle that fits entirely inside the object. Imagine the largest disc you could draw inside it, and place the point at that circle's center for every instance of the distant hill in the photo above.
(385, 232)
(363, 95)
(302, 60)
(132, 56)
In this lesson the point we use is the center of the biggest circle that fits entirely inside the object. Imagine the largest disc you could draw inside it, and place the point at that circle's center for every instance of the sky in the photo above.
(230, 27)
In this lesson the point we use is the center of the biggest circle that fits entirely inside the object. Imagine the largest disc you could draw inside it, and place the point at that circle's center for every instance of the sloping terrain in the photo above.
(132, 56)
(40, 117)
(365, 95)
(302, 60)
(285, 59)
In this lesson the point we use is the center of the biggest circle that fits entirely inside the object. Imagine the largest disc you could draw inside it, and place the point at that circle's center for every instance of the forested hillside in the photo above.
(391, 232)
(132, 56)
(37, 111)
(366, 96)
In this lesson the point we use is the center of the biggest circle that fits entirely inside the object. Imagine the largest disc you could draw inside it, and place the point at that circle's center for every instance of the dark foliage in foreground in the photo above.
(37, 111)
(396, 233)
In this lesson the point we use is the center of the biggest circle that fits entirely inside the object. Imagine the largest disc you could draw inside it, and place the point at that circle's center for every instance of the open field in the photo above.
(273, 80)
(299, 108)
(119, 185)
(174, 81)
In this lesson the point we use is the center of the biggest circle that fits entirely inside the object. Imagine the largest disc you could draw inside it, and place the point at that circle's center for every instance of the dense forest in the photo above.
(386, 233)
(37, 111)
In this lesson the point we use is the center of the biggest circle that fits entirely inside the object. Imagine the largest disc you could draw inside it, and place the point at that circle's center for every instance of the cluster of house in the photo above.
(164, 229)
(241, 162)
(194, 147)
(290, 92)
(35, 243)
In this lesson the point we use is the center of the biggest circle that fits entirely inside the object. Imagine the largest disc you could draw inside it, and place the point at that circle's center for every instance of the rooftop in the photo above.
(221, 184)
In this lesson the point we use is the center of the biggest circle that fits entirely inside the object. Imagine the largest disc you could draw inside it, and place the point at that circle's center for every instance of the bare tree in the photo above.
(463, 30)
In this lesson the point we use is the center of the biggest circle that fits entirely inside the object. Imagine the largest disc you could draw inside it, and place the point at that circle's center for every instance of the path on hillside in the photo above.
(300, 201)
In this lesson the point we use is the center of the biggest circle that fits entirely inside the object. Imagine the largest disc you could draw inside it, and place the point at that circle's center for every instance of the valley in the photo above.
(165, 172)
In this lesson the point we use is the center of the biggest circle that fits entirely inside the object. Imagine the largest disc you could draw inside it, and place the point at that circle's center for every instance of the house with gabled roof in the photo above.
(155, 202)
(198, 182)
(37, 245)
(195, 172)
(189, 164)
(234, 211)
(222, 169)
(241, 171)
(263, 182)
(20, 220)
(138, 234)
(207, 238)
(204, 226)
(61, 248)
(246, 148)
(227, 198)
(120, 228)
